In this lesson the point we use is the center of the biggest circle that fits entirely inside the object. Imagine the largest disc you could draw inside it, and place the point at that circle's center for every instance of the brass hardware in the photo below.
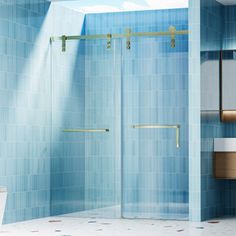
(109, 36)
(64, 38)
(228, 115)
(177, 127)
(178, 136)
(115, 36)
(86, 130)
(172, 32)
(172, 44)
(128, 33)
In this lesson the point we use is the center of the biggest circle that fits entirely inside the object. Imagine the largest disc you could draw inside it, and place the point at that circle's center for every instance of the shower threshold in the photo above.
(169, 211)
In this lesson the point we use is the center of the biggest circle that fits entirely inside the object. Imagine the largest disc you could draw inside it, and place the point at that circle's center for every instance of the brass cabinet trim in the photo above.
(228, 115)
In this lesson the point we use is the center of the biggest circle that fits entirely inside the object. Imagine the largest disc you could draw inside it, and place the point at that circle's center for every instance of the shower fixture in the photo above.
(109, 36)
(128, 34)
(172, 32)
(157, 126)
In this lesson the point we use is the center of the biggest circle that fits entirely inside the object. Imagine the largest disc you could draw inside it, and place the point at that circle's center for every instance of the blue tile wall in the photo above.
(229, 42)
(138, 21)
(154, 90)
(229, 38)
(212, 25)
(212, 189)
(217, 32)
(230, 186)
(24, 111)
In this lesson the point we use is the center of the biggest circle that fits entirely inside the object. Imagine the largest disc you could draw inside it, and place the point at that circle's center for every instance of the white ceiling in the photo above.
(227, 2)
(96, 6)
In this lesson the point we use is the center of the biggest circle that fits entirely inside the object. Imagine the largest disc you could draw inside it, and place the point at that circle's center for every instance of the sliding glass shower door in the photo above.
(155, 129)
(103, 110)
(86, 134)
(120, 128)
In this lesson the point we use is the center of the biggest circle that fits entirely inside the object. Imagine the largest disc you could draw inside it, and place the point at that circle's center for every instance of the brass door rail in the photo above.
(172, 32)
(177, 127)
(86, 130)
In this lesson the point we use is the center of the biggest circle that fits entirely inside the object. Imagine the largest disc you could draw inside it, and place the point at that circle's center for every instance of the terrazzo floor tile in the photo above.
(66, 226)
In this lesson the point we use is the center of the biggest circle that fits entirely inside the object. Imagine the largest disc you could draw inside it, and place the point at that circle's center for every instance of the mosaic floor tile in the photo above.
(66, 226)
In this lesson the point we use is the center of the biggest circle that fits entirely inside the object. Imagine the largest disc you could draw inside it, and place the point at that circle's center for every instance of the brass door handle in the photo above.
(86, 130)
(177, 127)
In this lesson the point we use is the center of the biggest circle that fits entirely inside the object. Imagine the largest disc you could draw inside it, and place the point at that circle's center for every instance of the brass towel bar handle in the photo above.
(177, 127)
(86, 130)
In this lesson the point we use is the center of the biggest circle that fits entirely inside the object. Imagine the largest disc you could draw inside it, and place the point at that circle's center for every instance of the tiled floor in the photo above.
(66, 226)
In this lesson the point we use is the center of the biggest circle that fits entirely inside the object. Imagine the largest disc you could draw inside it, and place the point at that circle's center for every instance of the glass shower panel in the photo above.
(85, 163)
(155, 109)
(102, 109)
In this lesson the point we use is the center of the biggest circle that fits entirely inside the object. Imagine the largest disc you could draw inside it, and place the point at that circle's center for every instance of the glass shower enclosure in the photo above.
(86, 135)
(120, 129)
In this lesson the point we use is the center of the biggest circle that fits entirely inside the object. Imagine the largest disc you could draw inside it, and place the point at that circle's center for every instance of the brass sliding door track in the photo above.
(172, 32)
